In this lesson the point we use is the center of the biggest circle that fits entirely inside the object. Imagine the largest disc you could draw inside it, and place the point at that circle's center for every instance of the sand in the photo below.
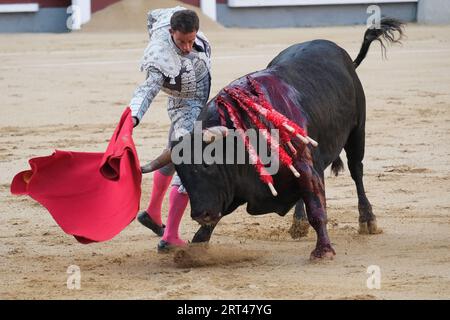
(68, 92)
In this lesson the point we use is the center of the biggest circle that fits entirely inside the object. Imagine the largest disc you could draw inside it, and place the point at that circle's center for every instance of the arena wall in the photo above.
(309, 15)
(51, 15)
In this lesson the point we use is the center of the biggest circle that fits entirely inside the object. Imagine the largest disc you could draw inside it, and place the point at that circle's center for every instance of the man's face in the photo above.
(184, 41)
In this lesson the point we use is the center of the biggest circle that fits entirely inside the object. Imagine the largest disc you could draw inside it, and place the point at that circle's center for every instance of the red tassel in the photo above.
(284, 157)
(256, 106)
(273, 116)
(263, 174)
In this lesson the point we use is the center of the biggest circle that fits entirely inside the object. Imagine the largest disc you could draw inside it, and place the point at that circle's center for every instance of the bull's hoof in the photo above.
(203, 234)
(299, 228)
(369, 227)
(322, 253)
(373, 227)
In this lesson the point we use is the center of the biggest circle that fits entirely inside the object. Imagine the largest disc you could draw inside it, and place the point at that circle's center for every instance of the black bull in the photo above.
(314, 84)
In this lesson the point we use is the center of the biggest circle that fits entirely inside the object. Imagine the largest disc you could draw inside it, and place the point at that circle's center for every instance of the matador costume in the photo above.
(185, 78)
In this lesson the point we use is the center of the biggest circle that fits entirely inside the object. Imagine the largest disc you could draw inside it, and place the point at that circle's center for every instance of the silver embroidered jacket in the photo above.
(185, 78)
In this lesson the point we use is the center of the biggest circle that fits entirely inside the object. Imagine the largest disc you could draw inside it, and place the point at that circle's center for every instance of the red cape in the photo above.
(92, 196)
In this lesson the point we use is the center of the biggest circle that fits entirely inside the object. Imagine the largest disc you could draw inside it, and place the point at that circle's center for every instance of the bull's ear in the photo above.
(214, 133)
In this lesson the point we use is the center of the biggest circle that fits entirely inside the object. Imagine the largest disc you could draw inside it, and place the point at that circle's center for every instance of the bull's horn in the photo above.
(294, 171)
(214, 133)
(272, 189)
(158, 163)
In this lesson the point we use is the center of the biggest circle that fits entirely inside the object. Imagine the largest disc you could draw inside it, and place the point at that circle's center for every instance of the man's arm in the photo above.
(144, 94)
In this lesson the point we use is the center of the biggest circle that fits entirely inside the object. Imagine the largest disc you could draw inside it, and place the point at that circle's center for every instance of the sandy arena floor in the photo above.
(68, 91)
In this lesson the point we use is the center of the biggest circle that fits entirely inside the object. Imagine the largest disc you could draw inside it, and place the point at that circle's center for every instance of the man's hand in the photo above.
(135, 121)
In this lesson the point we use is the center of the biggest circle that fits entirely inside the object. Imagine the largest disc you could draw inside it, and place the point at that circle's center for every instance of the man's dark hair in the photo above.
(185, 21)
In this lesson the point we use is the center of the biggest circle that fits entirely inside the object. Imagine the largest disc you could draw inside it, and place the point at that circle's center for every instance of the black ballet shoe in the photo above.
(166, 247)
(147, 221)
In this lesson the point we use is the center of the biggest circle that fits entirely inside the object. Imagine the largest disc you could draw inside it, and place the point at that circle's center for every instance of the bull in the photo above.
(314, 84)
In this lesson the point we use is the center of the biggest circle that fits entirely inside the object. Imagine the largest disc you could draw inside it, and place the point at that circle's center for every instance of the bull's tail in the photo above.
(387, 32)
(337, 166)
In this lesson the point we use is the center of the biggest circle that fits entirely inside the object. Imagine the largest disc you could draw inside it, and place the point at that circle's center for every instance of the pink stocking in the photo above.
(160, 185)
(178, 202)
